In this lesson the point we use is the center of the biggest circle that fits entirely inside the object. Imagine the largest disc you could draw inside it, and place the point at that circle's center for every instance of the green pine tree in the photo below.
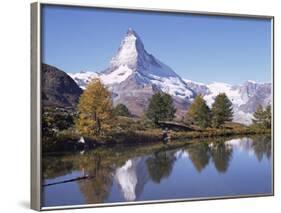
(262, 117)
(122, 110)
(199, 113)
(161, 108)
(221, 110)
(268, 117)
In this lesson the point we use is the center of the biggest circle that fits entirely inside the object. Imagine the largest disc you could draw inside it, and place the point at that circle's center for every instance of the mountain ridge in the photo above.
(58, 88)
(134, 75)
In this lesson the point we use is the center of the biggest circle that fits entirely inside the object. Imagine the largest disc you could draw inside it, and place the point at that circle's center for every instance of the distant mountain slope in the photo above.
(245, 98)
(58, 89)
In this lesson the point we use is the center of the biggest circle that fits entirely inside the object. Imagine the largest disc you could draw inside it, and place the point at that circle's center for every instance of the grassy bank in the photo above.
(67, 140)
(218, 133)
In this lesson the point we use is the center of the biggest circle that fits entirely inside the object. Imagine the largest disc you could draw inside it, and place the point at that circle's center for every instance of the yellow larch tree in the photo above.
(95, 110)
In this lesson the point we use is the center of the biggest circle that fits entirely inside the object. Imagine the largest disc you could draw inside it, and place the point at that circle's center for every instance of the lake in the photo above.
(208, 168)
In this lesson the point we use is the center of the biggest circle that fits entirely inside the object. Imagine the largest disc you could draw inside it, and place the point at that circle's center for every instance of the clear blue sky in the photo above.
(200, 48)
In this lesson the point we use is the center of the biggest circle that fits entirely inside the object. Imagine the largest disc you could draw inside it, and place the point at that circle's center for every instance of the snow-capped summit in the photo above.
(132, 54)
(129, 50)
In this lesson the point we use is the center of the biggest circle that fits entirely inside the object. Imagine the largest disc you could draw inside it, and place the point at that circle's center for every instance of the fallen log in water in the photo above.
(66, 181)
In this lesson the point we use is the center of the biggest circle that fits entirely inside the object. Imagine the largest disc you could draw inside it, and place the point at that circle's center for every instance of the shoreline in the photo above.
(69, 143)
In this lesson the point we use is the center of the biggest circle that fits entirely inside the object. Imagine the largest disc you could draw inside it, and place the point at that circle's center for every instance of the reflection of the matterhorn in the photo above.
(132, 177)
(136, 172)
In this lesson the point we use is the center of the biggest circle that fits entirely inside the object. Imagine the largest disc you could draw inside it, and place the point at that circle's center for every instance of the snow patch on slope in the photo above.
(83, 78)
(242, 117)
(173, 86)
(217, 88)
(116, 77)
(194, 82)
(119, 75)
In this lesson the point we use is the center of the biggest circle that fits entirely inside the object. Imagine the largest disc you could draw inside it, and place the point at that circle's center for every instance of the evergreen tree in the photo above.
(160, 166)
(268, 117)
(262, 117)
(199, 154)
(161, 108)
(259, 116)
(122, 110)
(221, 156)
(199, 113)
(95, 110)
(221, 110)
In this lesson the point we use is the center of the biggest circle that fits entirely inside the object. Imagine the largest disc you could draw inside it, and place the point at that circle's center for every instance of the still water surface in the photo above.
(230, 167)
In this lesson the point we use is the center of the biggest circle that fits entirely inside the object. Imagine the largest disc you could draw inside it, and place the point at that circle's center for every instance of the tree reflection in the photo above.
(199, 154)
(56, 166)
(96, 189)
(262, 147)
(160, 165)
(221, 155)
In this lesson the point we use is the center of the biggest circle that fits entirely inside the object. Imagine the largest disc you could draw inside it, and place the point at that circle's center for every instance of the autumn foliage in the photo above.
(95, 110)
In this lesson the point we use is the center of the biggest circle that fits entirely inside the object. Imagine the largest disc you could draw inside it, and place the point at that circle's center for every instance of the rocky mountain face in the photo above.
(134, 75)
(58, 89)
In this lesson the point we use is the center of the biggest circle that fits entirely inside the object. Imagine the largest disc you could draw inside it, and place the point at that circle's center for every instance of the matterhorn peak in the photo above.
(131, 32)
(130, 51)
(133, 56)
